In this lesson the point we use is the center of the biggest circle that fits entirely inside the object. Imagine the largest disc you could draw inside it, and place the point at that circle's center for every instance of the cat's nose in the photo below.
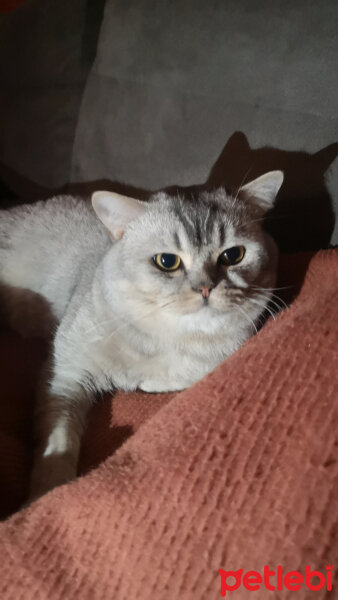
(205, 290)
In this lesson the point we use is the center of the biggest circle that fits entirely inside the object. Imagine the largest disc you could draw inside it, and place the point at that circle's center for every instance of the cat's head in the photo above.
(194, 259)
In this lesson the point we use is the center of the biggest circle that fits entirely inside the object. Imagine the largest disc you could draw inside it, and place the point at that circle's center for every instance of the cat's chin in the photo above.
(210, 310)
(207, 319)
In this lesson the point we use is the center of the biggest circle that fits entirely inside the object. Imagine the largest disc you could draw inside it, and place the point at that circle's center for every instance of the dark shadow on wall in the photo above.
(16, 189)
(302, 219)
(93, 19)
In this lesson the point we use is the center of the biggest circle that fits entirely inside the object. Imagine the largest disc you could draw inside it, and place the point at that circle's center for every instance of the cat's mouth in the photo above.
(210, 305)
(219, 301)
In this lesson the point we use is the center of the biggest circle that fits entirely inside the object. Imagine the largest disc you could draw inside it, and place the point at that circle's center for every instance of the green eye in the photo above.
(231, 256)
(167, 262)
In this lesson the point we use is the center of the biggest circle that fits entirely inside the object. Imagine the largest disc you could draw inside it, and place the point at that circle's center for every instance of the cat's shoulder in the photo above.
(60, 207)
(61, 203)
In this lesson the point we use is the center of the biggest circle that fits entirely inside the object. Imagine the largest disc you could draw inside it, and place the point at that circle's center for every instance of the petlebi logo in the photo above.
(276, 579)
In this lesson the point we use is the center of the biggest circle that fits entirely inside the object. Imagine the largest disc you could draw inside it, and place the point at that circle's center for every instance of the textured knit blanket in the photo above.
(236, 474)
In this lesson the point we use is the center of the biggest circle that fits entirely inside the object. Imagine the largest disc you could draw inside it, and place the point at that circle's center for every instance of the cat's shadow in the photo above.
(302, 219)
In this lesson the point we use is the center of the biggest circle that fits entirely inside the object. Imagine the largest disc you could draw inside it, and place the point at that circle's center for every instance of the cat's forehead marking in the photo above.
(203, 223)
(177, 241)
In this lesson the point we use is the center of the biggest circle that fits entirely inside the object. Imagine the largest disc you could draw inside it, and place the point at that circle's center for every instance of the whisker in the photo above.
(98, 325)
(138, 319)
(283, 303)
(246, 316)
(270, 309)
(269, 300)
(269, 218)
(242, 182)
(274, 295)
(263, 306)
(140, 315)
(258, 287)
(110, 320)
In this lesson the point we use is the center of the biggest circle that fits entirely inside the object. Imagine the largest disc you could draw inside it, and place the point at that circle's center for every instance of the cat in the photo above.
(150, 295)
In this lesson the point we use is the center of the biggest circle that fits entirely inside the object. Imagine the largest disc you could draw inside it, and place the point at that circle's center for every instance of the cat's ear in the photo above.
(116, 211)
(238, 142)
(326, 156)
(263, 190)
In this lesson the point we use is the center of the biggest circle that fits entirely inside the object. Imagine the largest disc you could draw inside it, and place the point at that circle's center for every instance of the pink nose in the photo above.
(205, 291)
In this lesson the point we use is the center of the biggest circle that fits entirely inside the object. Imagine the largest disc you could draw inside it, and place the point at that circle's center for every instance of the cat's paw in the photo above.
(156, 387)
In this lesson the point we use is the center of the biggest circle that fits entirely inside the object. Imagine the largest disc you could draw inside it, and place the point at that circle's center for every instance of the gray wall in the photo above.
(47, 49)
(171, 83)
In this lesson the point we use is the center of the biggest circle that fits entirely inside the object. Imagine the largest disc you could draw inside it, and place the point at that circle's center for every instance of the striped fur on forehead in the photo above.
(207, 215)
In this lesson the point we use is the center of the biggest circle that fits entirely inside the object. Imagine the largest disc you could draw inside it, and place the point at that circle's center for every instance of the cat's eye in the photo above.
(231, 256)
(167, 262)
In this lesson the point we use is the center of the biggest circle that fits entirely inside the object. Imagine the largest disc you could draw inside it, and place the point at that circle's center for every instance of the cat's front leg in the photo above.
(61, 416)
(156, 386)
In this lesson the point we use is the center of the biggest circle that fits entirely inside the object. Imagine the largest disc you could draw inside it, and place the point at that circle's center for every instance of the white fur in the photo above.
(58, 440)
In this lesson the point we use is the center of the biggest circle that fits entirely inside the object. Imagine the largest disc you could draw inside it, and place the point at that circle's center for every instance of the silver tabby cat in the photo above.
(148, 295)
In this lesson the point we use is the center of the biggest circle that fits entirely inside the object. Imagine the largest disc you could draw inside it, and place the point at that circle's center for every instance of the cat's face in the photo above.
(195, 260)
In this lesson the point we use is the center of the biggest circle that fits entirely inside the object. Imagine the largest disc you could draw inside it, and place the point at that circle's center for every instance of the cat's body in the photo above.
(123, 319)
(58, 249)
(50, 246)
